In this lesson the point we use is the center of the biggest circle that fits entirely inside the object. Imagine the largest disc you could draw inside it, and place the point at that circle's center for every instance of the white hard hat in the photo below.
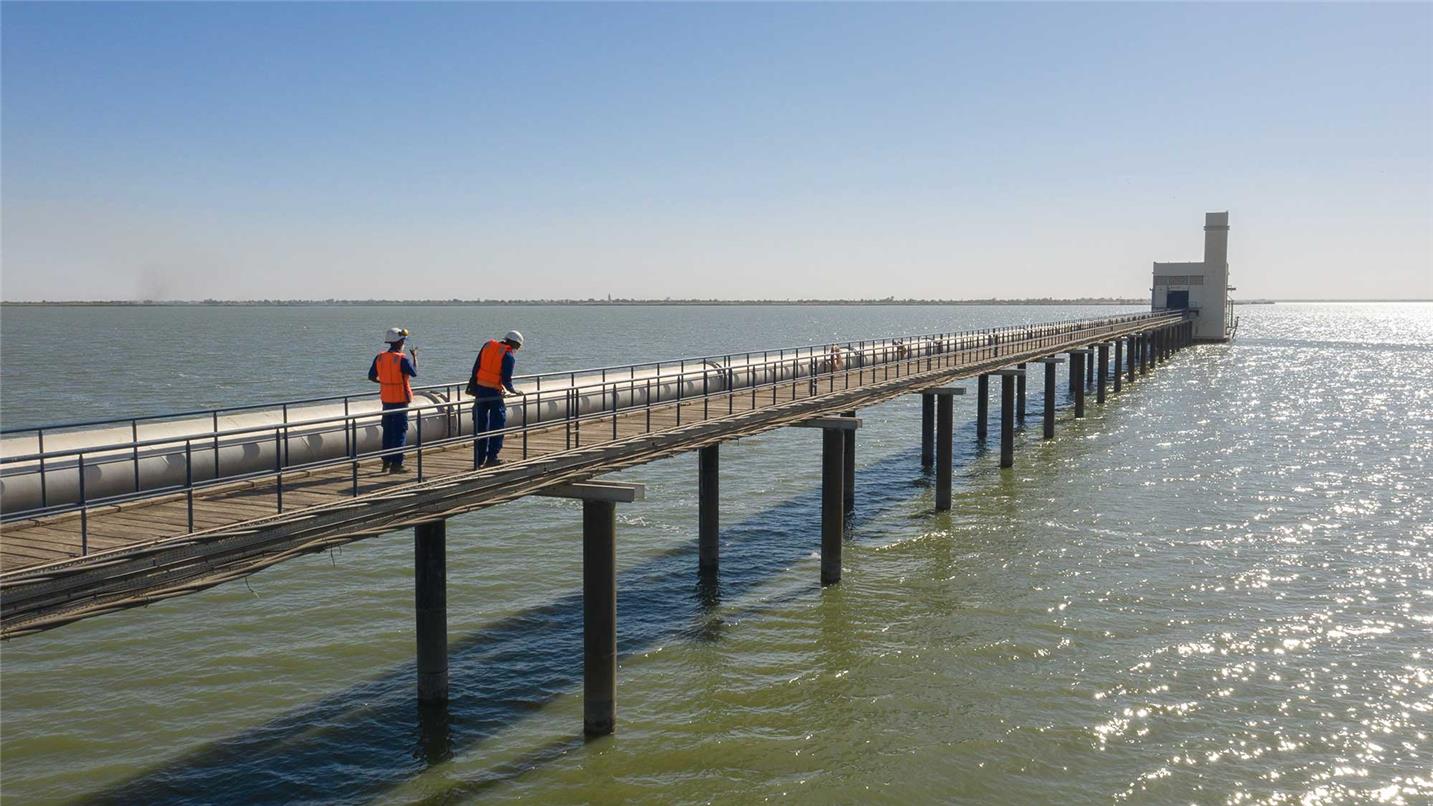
(514, 337)
(395, 334)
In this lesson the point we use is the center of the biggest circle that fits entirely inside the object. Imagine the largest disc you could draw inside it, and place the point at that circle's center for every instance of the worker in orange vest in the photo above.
(391, 370)
(492, 380)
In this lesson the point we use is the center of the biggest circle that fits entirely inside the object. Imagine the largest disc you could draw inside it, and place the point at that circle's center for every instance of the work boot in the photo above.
(494, 462)
(398, 469)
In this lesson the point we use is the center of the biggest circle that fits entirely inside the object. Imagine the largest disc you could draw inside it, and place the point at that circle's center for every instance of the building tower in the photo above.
(1202, 288)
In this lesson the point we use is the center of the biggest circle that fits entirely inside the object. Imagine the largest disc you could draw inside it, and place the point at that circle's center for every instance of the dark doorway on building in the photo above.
(1177, 299)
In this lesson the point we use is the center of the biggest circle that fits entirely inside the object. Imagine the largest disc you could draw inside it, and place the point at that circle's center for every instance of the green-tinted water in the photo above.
(1217, 587)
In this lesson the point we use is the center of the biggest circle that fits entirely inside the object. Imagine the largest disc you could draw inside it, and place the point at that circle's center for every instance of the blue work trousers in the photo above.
(395, 433)
(489, 414)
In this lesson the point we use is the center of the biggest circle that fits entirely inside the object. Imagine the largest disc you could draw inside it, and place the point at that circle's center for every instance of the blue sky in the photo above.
(451, 150)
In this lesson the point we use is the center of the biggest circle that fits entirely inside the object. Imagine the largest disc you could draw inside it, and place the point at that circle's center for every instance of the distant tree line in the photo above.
(613, 301)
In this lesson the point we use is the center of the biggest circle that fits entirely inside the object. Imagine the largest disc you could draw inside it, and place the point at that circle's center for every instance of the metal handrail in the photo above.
(347, 419)
(222, 411)
(986, 343)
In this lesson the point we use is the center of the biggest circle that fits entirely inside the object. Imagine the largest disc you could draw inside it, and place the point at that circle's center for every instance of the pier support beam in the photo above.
(1089, 369)
(1144, 340)
(1020, 393)
(833, 515)
(599, 595)
(599, 617)
(1008, 379)
(927, 430)
(944, 433)
(1078, 359)
(982, 407)
(1133, 348)
(848, 457)
(833, 496)
(1119, 363)
(708, 508)
(1050, 395)
(430, 588)
(1077, 375)
(1104, 361)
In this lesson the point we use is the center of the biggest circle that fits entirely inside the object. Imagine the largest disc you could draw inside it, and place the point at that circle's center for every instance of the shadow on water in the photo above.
(353, 745)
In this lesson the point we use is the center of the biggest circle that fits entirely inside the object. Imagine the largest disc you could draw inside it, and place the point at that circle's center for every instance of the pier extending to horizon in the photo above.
(92, 527)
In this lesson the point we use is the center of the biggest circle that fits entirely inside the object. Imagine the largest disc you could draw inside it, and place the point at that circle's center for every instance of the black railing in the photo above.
(814, 365)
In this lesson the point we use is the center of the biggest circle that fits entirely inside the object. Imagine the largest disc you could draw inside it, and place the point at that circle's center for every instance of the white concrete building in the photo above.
(1201, 287)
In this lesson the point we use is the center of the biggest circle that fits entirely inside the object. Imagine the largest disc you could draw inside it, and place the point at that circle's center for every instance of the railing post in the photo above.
(84, 509)
(189, 480)
(278, 471)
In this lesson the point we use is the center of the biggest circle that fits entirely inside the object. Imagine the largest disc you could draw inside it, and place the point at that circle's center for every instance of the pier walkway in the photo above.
(76, 555)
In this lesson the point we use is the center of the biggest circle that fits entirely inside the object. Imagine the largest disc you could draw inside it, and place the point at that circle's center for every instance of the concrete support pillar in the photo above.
(430, 589)
(1144, 340)
(1119, 363)
(1089, 370)
(1133, 348)
(1077, 376)
(982, 406)
(1007, 419)
(1050, 396)
(1103, 353)
(1020, 393)
(599, 617)
(927, 431)
(833, 515)
(1077, 364)
(944, 434)
(848, 456)
(708, 508)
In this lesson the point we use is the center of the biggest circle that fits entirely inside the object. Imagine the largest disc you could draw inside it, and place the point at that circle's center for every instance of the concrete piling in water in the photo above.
(1144, 342)
(848, 458)
(1049, 412)
(927, 431)
(833, 514)
(1089, 370)
(708, 508)
(1119, 364)
(833, 495)
(599, 617)
(1008, 380)
(944, 434)
(982, 407)
(1133, 348)
(430, 589)
(1077, 364)
(599, 595)
(1103, 353)
(1020, 393)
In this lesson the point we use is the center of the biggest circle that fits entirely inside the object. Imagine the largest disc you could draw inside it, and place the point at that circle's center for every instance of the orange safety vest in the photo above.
(490, 364)
(392, 381)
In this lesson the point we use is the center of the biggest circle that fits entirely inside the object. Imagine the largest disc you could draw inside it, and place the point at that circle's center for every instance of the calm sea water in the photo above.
(1216, 588)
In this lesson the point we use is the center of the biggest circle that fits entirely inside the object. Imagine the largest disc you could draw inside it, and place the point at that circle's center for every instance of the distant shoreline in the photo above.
(618, 303)
(582, 302)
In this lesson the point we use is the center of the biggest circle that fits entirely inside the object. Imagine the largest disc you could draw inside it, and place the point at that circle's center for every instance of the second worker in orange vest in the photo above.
(391, 370)
(492, 378)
